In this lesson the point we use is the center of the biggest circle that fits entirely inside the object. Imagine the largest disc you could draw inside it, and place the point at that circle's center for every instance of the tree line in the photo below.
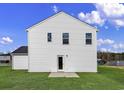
(108, 56)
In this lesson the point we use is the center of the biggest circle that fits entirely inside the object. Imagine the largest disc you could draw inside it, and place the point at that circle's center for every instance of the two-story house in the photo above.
(61, 43)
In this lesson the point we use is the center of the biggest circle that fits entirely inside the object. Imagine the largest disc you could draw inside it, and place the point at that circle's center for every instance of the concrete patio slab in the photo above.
(63, 74)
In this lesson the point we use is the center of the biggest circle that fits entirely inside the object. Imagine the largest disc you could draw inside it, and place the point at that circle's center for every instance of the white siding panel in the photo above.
(4, 57)
(43, 54)
(19, 62)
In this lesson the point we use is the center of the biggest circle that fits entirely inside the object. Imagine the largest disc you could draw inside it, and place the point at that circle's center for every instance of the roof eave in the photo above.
(19, 53)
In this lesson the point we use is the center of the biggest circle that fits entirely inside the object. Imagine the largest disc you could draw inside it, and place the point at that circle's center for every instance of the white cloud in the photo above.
(91, 18)
(112, 12)
(99, 42)
(104, 42)
(118, 46)
(55, 8)
(103, 50)
(119, 22)
(106, 27)
(108, 41)
(108, 50)
(6, 40)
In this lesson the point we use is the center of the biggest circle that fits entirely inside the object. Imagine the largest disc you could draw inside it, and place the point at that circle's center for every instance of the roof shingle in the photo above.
(22, 49)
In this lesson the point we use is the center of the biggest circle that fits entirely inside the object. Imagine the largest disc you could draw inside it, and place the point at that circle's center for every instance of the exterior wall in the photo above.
(4, 58)
(19, 62)
(78, 57)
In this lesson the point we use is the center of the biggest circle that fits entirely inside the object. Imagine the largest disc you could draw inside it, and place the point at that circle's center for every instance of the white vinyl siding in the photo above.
(78, 57)
(4, 58)
(20, 62)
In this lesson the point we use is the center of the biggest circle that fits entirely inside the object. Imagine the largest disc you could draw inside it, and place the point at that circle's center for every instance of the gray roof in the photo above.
(22, 49)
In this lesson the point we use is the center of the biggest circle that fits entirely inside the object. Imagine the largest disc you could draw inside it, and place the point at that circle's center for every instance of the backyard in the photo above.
(106, 78)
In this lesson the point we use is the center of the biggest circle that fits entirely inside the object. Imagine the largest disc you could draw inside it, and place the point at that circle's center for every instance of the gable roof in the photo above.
(22, 49)
(58, 14)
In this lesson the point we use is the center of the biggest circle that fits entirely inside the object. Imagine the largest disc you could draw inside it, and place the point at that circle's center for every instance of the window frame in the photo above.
(88, 38)
(65, 39)
(49, 37)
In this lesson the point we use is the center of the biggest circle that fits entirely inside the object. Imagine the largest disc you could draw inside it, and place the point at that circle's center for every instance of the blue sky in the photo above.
(108, 18)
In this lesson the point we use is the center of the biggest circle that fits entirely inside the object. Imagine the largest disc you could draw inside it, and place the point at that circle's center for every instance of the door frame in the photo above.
(58, 63)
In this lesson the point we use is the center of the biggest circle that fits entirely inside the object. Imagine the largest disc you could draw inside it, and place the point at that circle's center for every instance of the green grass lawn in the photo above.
(106, 78)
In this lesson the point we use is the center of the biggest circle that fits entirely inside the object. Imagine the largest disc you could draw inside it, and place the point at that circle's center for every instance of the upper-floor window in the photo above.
(49, 37)
(65, 38)
(88, 38)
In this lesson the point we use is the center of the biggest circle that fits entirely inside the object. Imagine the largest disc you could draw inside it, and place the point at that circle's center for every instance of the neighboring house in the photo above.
(61, 43)
(20, 58)
(5, 59)
(116, 63)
